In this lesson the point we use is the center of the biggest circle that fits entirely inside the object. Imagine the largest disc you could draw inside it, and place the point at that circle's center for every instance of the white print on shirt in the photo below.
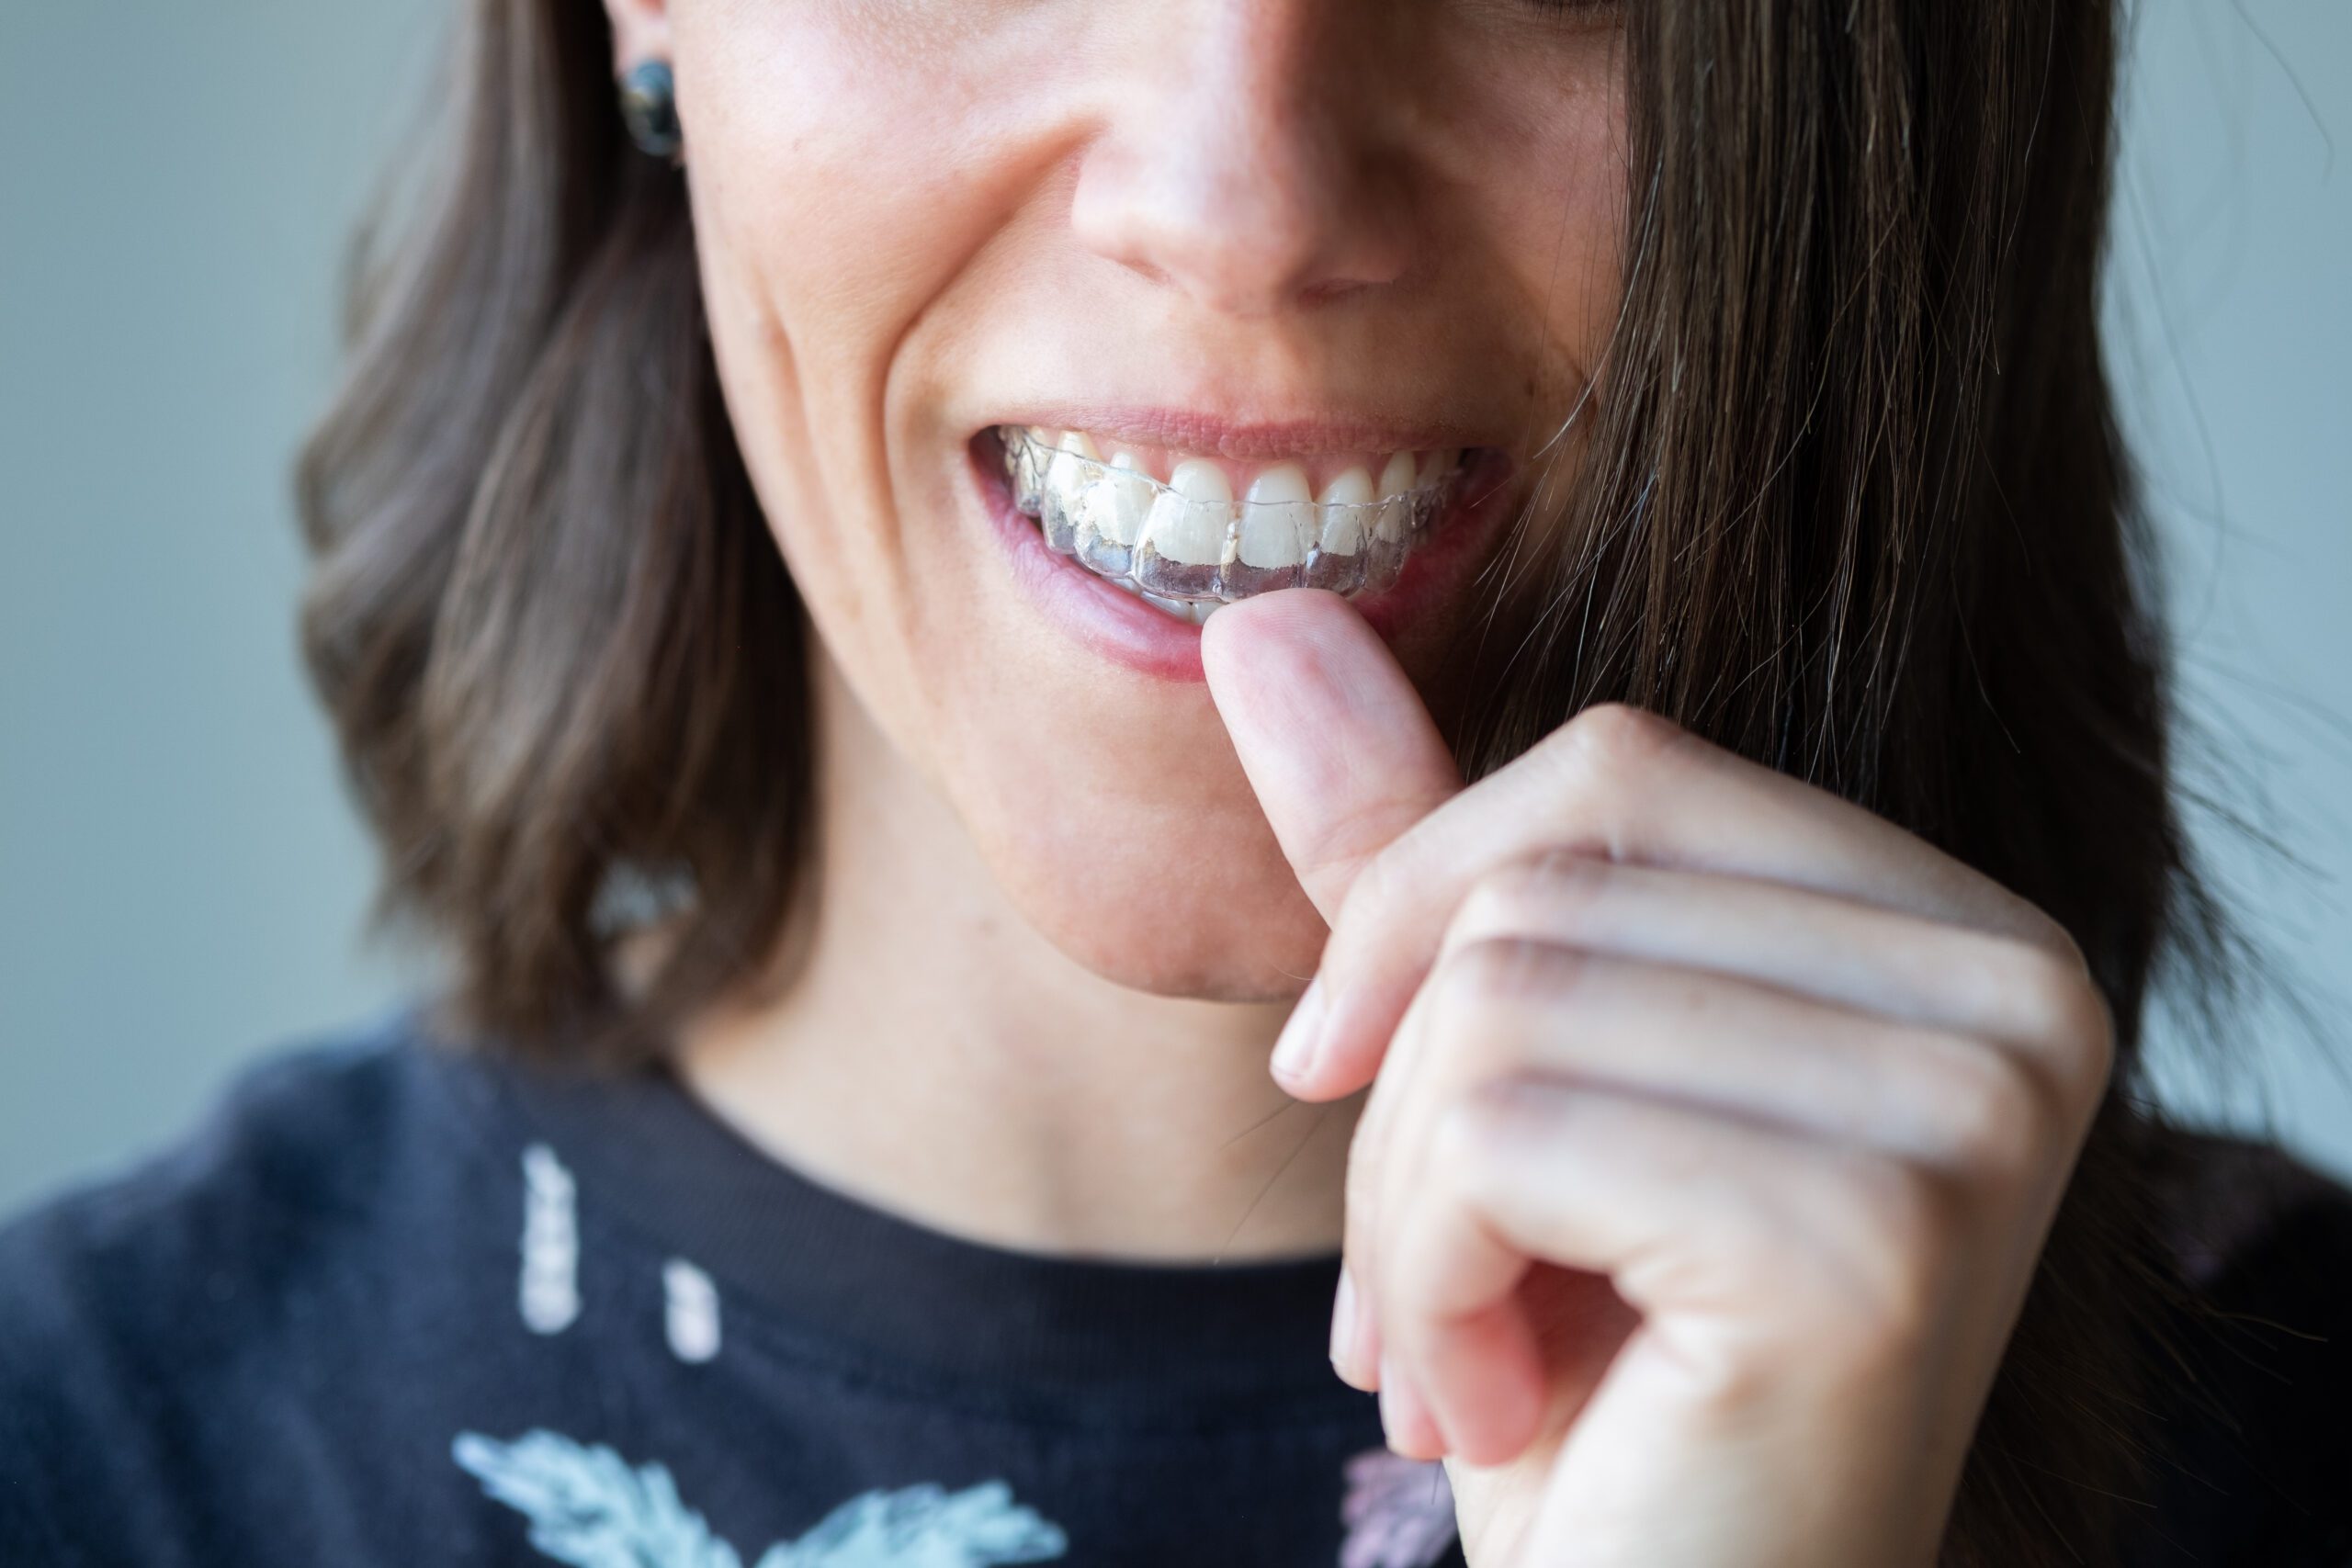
(691, 1311)
(1398, 1512)
(549, 1288)
(589, 1508)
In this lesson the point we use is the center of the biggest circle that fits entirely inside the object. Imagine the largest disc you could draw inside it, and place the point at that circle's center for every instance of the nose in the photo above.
(1242, 164)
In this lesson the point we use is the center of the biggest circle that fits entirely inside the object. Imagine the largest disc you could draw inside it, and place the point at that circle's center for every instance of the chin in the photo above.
(1238, 931)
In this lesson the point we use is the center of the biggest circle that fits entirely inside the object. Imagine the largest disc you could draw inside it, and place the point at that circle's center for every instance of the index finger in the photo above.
(1335, 742)
(1613, 782)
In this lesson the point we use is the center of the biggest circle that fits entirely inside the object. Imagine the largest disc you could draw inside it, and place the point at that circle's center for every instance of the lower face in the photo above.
(1048, 326)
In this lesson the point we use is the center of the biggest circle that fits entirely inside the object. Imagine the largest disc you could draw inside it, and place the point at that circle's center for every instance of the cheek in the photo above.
(866, 208)
(830, 212)
(1542, 160)
(1539, 158)
(1534, 165)
(844, 168)
(829, 216)
(807, 141)
(846, 190)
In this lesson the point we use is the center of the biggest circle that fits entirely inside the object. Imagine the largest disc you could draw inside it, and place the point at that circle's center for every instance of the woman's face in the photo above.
(1266, 244)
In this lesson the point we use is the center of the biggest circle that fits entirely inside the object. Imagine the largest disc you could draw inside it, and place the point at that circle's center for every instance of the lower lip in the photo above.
(1123, 629)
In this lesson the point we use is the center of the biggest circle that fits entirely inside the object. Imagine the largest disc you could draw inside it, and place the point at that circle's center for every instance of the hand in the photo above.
(1715, 1123)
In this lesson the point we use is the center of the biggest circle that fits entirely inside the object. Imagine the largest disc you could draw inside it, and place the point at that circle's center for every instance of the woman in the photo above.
(911, 595)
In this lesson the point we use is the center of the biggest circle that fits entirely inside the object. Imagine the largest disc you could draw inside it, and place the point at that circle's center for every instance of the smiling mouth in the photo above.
(1181, 542)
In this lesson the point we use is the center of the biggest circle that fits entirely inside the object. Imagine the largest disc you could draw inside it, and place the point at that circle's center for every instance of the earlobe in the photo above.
(648, 99)
(640, 32)
(650, 106)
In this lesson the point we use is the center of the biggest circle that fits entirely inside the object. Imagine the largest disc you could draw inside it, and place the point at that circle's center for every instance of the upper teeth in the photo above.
(1187, 539)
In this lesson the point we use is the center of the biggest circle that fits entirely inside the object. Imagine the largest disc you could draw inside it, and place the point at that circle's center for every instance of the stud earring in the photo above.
(650, 108)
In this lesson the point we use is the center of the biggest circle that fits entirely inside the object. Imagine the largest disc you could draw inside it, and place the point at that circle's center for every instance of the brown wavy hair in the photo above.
(1854, 505)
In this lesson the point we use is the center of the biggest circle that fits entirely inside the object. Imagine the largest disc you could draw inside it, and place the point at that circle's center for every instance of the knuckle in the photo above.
(1487, 1003)
(1461, 1135)
(1496, 903)
(1615, 733)
(2083, 1045)
(1563, 875)
(1547, 889)
(2054, 940)
(2060, 1013)
(2096, 1060)
(1851, 1267)
(2042, 982)
(1898, 1224)
(1900, 1316)
(1489, 977)
(1471, 998)
(1905, 1209)
(1603, 755)
(1994, 1108)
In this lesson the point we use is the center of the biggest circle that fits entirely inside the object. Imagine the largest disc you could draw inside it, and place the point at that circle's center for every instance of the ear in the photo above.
(640, 32)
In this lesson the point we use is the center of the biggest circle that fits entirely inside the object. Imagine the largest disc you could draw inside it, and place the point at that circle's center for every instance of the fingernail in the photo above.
(1294, 1048)
(1394, 1403)
(1388, 1412)
(1343, 1322)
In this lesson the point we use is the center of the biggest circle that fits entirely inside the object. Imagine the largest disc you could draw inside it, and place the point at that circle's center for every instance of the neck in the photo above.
(932, 1055)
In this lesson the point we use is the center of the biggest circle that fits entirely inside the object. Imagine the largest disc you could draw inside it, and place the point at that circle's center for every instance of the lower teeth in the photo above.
(1084, 506)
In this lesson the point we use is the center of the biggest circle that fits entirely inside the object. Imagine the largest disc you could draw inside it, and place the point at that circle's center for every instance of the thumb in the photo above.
(1337, 743)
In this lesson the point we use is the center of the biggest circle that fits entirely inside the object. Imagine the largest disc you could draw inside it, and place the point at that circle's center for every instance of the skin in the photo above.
(1632, 1060)
(1715, 1123)
(914, 219)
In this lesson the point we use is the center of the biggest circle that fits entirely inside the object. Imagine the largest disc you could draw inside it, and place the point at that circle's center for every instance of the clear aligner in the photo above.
(1123, 523)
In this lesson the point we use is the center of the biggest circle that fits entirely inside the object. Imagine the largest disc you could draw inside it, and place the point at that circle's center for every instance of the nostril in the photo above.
(1252, 197)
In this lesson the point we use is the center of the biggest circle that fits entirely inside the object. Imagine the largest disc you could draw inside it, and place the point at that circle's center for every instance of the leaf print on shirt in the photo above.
(1398, 1512)
(589, 1508)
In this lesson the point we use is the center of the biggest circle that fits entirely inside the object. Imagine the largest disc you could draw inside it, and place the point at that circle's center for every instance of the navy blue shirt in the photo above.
(396, 1303)
(399, 1302)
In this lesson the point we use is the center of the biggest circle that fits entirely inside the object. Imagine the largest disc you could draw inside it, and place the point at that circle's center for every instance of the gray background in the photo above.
(181, 878)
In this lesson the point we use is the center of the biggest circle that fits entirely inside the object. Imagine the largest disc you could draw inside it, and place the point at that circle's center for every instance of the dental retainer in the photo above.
(1122, 523)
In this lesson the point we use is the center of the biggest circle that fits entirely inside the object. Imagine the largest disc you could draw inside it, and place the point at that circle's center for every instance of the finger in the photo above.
(1335, 742)
(1497, 1007)
(1628, 788)
(1344, 758)
(1924, 971)
(1356, 1355)
(1736, 1243)
(1819, 1065)
(1501, 1006)
(1957, 1100)
(1476, 1375)
(1406, 1420)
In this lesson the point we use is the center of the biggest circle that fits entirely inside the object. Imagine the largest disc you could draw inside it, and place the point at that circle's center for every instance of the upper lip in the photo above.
(1249, 440)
